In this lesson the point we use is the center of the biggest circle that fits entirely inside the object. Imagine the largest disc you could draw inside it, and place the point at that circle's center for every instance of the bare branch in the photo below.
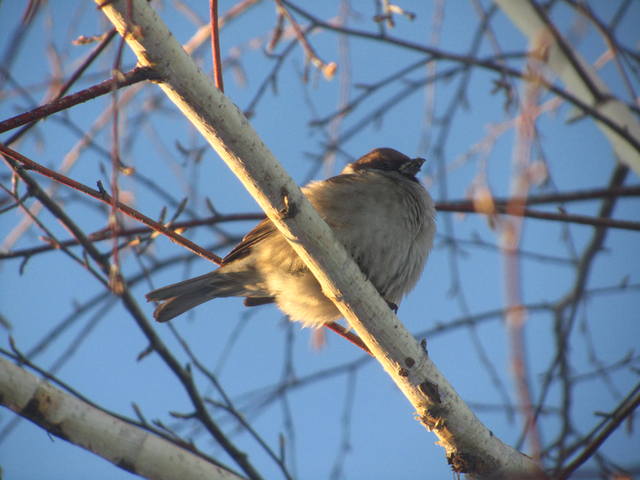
(104, 197)
(71, 419)
(402, 357)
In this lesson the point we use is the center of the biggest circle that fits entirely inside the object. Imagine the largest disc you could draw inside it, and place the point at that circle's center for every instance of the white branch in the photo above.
(580, 78)
(470, 446)
(123, 444)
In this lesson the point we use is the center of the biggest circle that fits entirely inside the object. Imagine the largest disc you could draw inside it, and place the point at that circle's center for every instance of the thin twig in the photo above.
(485, 63)
(626, 408)
(327, 69)
(106, 234)
(104, 197)
(463, 207)
(352, 337)
(215, 44)
(134, 76)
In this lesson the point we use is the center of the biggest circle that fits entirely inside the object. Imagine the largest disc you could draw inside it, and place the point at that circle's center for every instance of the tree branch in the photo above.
(104, 197)
(134, 76)
(470, 447)
(123, 444)
(579, 77)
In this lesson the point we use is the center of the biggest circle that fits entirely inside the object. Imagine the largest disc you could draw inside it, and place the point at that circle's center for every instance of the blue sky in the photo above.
(253, 350)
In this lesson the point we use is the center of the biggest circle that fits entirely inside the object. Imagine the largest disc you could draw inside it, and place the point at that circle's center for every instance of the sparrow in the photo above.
(377, 209)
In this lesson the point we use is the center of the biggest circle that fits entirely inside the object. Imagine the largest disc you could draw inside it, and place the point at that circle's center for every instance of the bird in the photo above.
(376, 207)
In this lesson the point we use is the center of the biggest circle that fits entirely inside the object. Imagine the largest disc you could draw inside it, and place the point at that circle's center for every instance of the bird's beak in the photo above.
(412, 167)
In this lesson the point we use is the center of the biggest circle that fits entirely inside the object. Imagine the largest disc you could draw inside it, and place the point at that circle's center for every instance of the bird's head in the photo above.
(386, 160)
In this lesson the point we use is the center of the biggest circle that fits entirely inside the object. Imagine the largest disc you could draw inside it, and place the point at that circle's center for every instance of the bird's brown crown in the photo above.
(388, 160)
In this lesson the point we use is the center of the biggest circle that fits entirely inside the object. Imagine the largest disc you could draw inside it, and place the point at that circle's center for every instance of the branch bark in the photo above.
(127, 446)
(579, 77)
(470, 446)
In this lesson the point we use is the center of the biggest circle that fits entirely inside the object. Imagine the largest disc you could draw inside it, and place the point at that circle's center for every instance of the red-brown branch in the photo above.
(134, 76)
(106, 234)
(104, 197)
(352, 337)
(215, 44)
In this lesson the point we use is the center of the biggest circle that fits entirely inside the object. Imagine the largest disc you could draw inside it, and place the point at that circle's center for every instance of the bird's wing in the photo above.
(259, 233)
(338, 185)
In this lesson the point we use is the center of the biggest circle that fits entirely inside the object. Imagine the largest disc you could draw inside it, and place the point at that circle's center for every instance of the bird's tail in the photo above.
(182, 296)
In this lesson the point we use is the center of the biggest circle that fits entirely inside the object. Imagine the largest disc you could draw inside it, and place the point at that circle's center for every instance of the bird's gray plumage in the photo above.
(377, 209)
